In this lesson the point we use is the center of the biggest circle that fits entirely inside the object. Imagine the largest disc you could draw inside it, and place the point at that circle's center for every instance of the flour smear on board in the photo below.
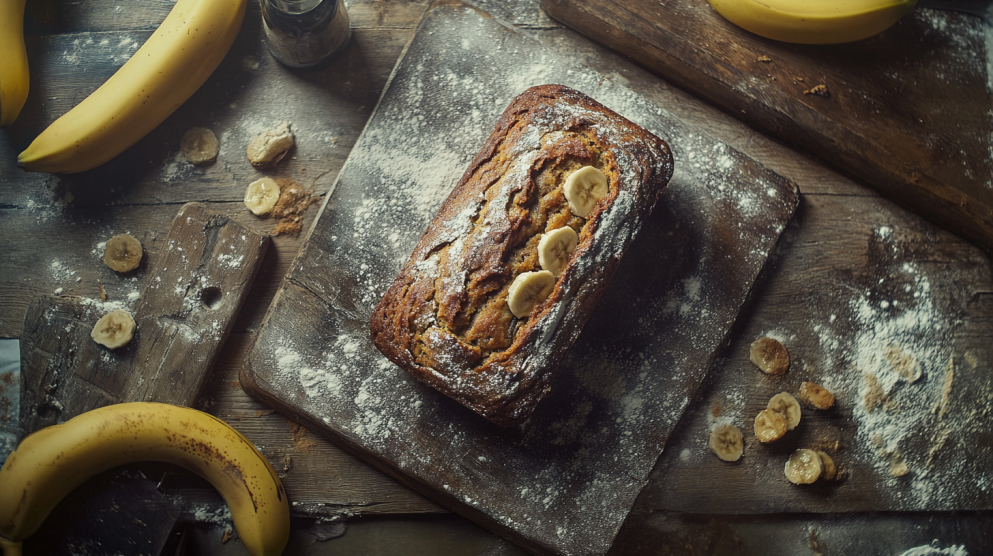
(896, 374)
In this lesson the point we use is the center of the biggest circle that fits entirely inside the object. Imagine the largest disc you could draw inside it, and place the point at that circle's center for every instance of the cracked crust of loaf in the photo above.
(445, 318)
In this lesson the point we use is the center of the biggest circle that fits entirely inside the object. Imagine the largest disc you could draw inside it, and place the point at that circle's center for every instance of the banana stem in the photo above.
(10, 548)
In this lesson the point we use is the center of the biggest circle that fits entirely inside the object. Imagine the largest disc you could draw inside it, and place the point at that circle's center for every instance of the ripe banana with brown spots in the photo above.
(14, 74)
(172, 64)
(51, 462)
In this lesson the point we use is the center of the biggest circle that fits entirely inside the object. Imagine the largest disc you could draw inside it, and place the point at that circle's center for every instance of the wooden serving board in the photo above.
(908, 111)
(183, 316)
(563, 482)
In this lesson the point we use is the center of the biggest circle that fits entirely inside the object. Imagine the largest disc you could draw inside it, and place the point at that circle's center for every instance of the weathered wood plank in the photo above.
(183, 316)
(886, 119)
(914, 296)
(48, 17)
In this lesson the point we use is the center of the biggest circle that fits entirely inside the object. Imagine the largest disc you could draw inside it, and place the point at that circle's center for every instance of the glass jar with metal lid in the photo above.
(304, 33)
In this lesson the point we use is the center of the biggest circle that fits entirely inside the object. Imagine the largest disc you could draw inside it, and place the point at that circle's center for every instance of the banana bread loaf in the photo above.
(501, 283)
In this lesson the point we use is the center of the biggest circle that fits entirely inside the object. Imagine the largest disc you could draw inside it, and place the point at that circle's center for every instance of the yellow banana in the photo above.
(171, 65)
(814, 21)
(14, 75)
(48, 464)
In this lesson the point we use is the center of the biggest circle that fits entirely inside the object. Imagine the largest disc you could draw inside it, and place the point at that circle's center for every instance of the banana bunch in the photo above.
(171, 65)
(814, 21)
(50, 463)
(14, 75)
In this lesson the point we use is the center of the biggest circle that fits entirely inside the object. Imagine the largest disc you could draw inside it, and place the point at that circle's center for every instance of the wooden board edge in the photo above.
(256, 388)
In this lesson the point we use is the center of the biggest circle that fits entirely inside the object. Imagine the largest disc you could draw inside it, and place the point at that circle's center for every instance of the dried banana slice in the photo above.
(261, 196)
(769, 425)
(804, 467)
(122, 253)
(726, 442)
(769, 355)
(787, 406)
(114, 330)
(528, 290)
(815, 396)
(199, 145)
(830, 469)
(583, 188)
(270, 146)
(555, 248)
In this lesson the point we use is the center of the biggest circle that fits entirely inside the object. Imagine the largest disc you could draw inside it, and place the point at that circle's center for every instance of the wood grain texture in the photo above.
(918, 292)
(51, 228)
(676, 534)
(551, 485)
(320, 478)
(887, 120)
(58, 222)
(183, 316)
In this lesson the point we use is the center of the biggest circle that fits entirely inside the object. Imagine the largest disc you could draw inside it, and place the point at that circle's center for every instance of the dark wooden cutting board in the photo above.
(908, 111)
(183, 316)
(563, 482)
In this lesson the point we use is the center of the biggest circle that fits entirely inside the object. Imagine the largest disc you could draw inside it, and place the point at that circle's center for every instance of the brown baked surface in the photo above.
(445, 319)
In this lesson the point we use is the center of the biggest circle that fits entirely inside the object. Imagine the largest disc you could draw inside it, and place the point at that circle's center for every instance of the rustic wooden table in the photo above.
(859, 287)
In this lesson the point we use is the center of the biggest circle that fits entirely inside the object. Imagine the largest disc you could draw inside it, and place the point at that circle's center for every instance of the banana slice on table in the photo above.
(804, 467)
(270, 146)
(528, 290)
(830, 470)
(769, 355)
(787, 406)
(114, 330)
(816, 396)
(583, 188)
(726, 442)
(199, 145)
(122, 253)
(769, 425)
(555, 248)
(261, 196)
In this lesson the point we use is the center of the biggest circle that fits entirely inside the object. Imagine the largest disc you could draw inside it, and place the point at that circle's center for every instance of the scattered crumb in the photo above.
(293, 203)
(228, 534)
(937, 443)
(818, 90)
(764, 59)
(103, 292)
(877, 441)
(814, 543)
(946, 390)
(302, 442)
(825, 445)
(898, 468)
(903, 363)
(875, 396)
